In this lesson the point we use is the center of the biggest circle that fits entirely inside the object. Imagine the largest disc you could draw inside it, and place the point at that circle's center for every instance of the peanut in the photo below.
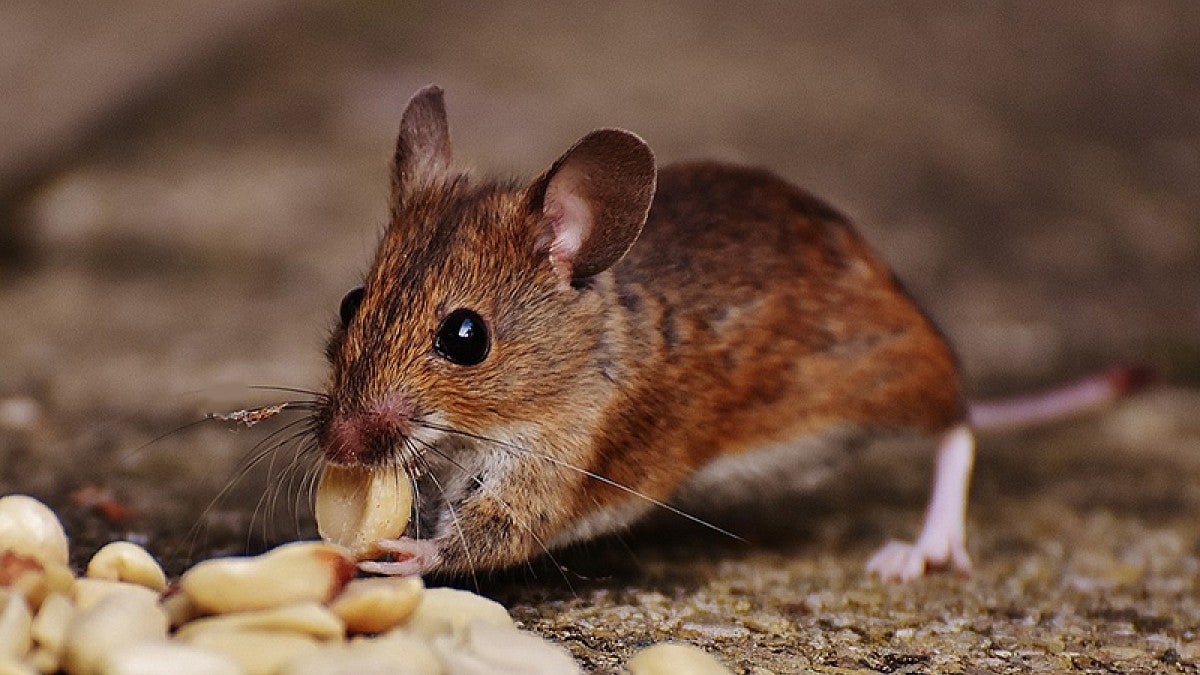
(674, 658)
(44, 661)
(302, 618)
(15, 627)
(30, 527)
(256, 652)
(11, 666)
(179, 607)
(87, 592)
(397, 654)
(33, 577)
(154, 658)
(116, 622)
(295, 572)
(486, 648)
(50, 625)
(125, 561)
(377, 605)
(358, 506)
(449, 610)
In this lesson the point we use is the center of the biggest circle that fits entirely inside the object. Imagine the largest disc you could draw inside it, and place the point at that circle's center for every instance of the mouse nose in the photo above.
(368, 435)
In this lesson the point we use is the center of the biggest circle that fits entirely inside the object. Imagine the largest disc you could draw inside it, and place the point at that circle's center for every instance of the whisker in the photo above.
(317, 395)
(402, 461)
(308, 479)
(299, 404)
(590, 474)
(457, 526)
(311, 479)
(238, 416)
(409, 476)
(130, 454)
(270, 497)
(418, 457)
(255, 457)
(416, 488)
(292, 471)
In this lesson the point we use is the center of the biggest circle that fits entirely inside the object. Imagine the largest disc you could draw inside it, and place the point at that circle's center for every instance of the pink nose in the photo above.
(354, 437)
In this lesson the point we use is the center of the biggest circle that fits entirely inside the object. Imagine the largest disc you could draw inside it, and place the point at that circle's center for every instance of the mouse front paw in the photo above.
(410, 558)
(902, 561)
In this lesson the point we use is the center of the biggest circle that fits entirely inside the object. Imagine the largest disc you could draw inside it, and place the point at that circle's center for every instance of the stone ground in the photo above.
(185, 195)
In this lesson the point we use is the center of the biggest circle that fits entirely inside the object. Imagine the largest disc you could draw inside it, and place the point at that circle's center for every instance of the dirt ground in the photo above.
(179, 218)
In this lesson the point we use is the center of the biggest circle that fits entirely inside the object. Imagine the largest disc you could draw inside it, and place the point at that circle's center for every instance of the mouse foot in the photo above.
(416, 556)
(902, 561)
(942, 542)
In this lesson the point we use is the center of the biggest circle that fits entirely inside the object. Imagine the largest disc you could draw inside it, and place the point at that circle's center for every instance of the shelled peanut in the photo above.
(294, 610)
(356, 507)
(672, 658)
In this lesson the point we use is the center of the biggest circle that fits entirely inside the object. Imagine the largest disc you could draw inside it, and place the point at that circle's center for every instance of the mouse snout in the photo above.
(369, 435)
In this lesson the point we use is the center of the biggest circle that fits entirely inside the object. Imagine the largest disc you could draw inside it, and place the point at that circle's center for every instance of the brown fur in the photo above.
(756, 314)
(747, 313)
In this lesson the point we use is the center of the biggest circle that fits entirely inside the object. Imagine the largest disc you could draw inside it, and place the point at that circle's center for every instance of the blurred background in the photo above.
(187, 190)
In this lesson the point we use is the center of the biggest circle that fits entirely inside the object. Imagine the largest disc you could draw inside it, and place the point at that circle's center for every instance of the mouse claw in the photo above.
(415, 557)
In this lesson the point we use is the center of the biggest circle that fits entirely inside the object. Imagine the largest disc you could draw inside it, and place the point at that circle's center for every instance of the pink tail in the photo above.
(1088, 394)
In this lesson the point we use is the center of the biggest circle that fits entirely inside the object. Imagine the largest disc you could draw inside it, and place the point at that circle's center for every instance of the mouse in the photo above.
(550, 360)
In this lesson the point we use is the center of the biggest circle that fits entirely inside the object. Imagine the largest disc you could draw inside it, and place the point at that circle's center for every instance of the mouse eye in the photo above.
(462, 338)
(350, 305)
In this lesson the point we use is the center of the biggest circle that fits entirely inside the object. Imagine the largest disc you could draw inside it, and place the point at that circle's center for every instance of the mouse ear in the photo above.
(423, 148)
(595, 199)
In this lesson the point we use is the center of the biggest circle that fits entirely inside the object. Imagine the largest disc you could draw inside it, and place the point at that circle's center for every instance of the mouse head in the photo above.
(482, 311)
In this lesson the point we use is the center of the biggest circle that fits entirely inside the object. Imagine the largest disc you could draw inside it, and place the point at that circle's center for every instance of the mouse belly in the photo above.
(729, 480)
(793, 466)
(605, 520)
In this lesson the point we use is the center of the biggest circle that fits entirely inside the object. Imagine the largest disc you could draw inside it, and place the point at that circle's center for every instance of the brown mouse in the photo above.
(551, 360)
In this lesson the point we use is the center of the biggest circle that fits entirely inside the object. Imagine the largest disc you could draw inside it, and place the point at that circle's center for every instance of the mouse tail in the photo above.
(1090, 393)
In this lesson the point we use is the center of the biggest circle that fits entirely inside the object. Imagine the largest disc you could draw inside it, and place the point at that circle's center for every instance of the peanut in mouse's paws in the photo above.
(902, 561)
(415, 557)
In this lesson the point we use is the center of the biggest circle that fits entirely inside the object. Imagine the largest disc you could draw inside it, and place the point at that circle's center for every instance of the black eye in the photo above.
(462, 338)
(350, 305)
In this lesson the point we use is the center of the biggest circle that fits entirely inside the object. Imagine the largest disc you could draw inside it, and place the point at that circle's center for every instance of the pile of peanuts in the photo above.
(295, 610)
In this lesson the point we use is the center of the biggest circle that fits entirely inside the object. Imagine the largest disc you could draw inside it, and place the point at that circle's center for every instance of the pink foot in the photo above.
(415, 556)
(942, 542)
(902, 561)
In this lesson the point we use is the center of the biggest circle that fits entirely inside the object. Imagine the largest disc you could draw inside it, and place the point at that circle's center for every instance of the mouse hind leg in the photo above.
(942, 542)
